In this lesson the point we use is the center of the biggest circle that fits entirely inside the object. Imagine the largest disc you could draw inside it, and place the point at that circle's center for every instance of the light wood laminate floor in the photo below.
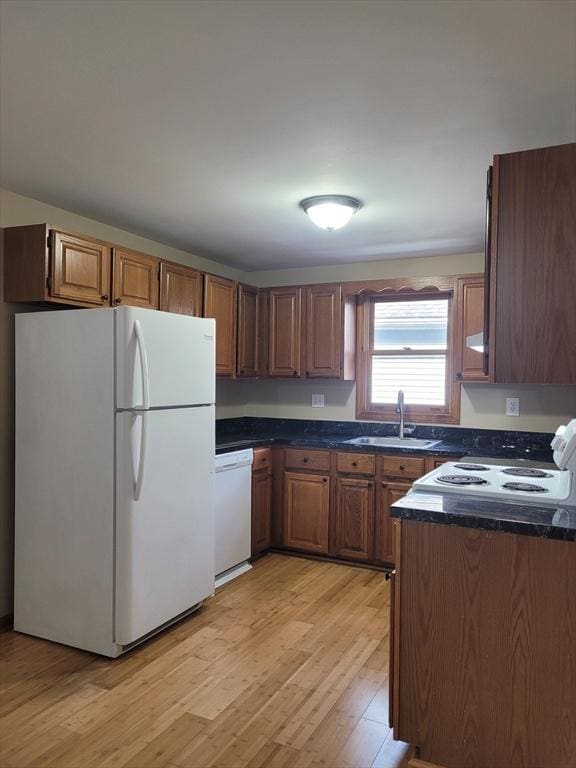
(286, 667)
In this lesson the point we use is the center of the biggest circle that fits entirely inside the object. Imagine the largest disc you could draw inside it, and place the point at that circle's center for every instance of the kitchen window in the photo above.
(406, 343)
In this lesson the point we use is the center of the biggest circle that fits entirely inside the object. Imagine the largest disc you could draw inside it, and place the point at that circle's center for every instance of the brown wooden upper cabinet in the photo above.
(285, 332)
(330, 333)
(469, 362)
(531, 267)
(220, 303)
(180, 289)
(79, 269)
(136, 279)
(45, 264)
(248, 331)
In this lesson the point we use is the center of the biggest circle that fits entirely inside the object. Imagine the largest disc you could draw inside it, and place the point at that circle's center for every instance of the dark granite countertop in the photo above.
(237, 442)
(248, 432)
(506, 516)
(489, 515)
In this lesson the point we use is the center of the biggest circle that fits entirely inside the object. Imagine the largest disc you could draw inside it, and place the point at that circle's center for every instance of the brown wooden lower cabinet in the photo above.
(306, 512)
(484, 638)
(387, 493)
(334, 503)
(261, 511)
(352, 520)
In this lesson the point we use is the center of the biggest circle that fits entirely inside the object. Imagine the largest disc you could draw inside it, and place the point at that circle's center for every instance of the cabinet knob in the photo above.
(117, 300)
(324, 479)
(305, 459)
(459, 375)
(295, 373)
(104, 297)
(402, 467)
(354, 463)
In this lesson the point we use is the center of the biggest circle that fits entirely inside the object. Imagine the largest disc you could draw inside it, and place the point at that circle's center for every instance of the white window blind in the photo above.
(410, 351)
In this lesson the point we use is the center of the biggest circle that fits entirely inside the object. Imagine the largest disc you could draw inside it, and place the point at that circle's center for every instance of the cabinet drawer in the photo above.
(402, 466)
(433, 462)
(297, 458)
(261, 459)
(355, 463)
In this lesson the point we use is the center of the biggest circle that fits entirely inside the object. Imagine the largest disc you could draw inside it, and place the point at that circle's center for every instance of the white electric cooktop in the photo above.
(490, 481)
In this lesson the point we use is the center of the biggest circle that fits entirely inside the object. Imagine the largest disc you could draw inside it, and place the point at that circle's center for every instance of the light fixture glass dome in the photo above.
(330, 211)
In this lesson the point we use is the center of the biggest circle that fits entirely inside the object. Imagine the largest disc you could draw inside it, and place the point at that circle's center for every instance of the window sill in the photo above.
(411, 417)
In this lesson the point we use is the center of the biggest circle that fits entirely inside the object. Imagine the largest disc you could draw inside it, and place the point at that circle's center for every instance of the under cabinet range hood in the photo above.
(475, 342)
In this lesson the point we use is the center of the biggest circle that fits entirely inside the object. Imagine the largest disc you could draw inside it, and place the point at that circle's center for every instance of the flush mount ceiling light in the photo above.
(330, 211)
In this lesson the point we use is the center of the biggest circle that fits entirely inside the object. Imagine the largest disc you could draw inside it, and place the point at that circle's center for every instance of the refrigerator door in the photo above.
(163, 359)
(164, 516)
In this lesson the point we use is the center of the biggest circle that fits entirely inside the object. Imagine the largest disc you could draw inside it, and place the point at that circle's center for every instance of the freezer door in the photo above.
(164, 516)
(163, 359)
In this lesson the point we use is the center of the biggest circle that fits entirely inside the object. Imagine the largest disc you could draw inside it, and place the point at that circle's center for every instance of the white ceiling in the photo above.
(202, 124)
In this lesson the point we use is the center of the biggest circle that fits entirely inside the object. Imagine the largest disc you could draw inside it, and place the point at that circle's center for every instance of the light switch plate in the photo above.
(317, 401)
(512, 406)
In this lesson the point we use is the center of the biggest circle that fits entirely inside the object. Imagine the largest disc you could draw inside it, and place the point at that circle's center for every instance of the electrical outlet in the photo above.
(317, 401)
(512, 406)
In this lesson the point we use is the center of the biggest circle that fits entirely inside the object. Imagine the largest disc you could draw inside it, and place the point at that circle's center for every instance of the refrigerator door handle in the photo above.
(142, 457)
(143, 366)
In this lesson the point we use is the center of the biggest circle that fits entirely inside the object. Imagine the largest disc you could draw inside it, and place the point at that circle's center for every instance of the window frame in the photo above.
(365, 409)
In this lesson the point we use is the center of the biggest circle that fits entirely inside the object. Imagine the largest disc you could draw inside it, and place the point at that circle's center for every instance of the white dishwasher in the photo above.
(233, 514)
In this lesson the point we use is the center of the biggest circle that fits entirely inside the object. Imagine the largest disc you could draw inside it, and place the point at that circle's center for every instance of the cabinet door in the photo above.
(533, 276)
(284, 342)
(261, 511)
(470, 321)
(220, 303)
(136, 279)
(353, 520)
(248, 331)
(180, 289)
(324, 331)
(80, 269)
(387, 494)
(306, 503)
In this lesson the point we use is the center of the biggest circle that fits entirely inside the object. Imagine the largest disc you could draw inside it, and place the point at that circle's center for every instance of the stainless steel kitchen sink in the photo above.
(394, 442)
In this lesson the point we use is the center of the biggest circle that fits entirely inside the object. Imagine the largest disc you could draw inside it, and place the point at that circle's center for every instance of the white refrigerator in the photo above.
(114, 502)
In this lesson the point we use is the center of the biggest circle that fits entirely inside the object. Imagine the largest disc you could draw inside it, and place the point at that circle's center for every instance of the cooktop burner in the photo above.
(472, 467)
(462, 480)
(521, 472)
(528, 487)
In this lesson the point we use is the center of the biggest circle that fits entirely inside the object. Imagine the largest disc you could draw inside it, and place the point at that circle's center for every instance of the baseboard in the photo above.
(335, 560)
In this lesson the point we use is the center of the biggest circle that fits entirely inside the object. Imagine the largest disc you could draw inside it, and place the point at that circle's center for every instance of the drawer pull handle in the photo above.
(324, 479)
(402, 467)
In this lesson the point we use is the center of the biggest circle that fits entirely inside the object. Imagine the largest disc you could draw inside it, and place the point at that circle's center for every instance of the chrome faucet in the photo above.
(400, 410)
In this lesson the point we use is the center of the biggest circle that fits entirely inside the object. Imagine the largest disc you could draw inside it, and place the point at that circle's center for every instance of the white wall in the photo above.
(542, 409)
